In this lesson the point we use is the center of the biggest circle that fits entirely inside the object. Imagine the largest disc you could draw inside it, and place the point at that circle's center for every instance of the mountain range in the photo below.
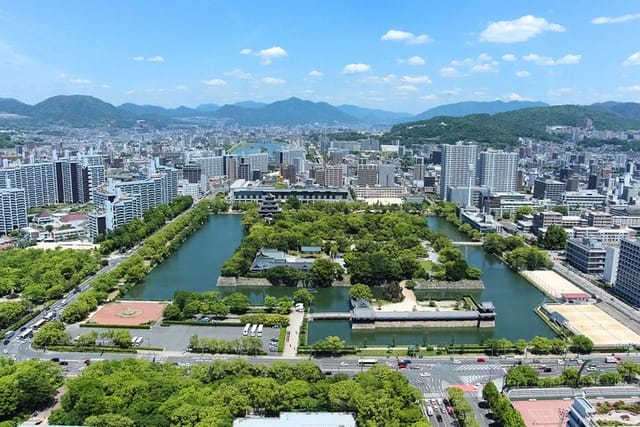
(87, 111)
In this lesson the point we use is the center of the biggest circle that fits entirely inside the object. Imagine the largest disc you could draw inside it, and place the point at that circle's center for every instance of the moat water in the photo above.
(196, 266)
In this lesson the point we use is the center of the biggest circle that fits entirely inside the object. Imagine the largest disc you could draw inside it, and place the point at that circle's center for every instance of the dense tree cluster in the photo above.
(360, 291)
(380, 244)
(516, 253)
(136, 392)
(448, 211)
(84, 304)
(527, 376)
(12, 311)
(501, 407)
(462, 408)
(40, 275)
(129, 235)
(243, 345)
(266, 319)
(26, 387)
(555, 238)
(330, 345)
(50, 334)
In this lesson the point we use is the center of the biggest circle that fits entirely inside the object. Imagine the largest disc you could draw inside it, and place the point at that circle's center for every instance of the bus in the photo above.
(27, 333)
(245, 331)
(259, 331)
(254, 328)
(8, 334)
(39, 323)
(367, 362)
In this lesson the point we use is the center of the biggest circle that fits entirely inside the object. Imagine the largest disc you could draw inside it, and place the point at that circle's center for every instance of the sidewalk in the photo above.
(292, 338)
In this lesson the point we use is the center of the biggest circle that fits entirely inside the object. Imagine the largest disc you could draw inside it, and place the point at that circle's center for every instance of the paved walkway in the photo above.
(293, 335)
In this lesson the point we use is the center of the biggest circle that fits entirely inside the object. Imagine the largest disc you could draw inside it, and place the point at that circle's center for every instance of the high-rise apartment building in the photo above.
(458, 166)
(333, 176)
(37, 179)
(211, 166)
(367, 175)
(498, 171)
(628, 276)
(419, 168)
(13, 209)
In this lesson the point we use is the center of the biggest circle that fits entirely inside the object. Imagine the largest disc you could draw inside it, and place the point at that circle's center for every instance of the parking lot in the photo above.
(176, 337)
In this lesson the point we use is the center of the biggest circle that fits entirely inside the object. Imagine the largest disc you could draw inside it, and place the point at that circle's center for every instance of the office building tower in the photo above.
(572, 183)
(13, 209)
(319, 176)
(458, 166)
(628, 277)
(335, 156)
(386, 175)
(256, 161)
(498, 171)
(419, 168)
(610, 273)
(367, 175)
(333, 176)
(287, 156)
(288, 172)
(192, 172)
(548, 189)
(230, 167)
(244, 171)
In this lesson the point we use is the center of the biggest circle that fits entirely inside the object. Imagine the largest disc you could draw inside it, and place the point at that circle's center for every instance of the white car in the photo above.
(477, 386)
(425, 374)
(344, 364)
(5, 351)
(456, 361)
(591, 369)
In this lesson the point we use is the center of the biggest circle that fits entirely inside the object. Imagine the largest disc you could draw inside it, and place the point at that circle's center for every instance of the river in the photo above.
(196, 266)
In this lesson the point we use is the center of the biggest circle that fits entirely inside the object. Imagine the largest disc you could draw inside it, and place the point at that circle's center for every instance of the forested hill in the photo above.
(503, 129)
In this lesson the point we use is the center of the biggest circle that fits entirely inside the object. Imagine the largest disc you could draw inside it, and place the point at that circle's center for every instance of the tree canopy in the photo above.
(136, 392)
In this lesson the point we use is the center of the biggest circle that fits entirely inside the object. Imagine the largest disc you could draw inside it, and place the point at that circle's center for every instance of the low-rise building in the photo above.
(268, 258)
(581, 414)
(299, 419)
(586, 255)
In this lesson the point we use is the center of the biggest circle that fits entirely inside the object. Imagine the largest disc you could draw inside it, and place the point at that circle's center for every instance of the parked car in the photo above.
(481, 360)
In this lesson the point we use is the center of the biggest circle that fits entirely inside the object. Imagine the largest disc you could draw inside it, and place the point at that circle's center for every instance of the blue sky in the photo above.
(399, 56)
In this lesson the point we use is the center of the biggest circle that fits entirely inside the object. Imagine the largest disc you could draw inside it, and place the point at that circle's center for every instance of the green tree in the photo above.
(330, 345)
(323, 272)
(109, 420)
(555, 238)
(270, 303)
(120, 337)
(629, 371)
(284, 305)
(303, 296)
(50, 334)
(87, 340)
(581, 344)
(237, 302)
(610, 378)
(360, 291)
(524, 210)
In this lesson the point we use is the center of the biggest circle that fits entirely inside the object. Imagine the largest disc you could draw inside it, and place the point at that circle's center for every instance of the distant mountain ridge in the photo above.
(460, 109)
(87, 111)
(503, 129)
(373, 116)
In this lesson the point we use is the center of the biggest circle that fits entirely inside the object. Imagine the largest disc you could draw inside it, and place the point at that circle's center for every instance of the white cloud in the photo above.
(356, 68)
(156, 58)
(78, 81)
(266, 55)
(449, 72)
(416, 79)
(560, 91)
(518, 30)
(8, 56)
(513, 96)
(406, 88)
(389, 78)
(489, 67)
(509, 57)
(273, 81)
(181, 87)
(615, 20)
(634, 59)
(484, 57)
(462, 62)
(105, 86)
(239, 74)
(414, 60)
(315, 74)
(523, 73)
(634, 88)
(214, 82)
(406, 37)
(429, 97)
(571, 58)
(568, 59)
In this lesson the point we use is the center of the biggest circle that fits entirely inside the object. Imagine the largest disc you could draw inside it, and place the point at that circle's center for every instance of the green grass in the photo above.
(281, 339)
(427, 265)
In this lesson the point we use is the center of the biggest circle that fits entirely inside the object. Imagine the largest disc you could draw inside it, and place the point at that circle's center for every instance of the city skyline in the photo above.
(399, 57)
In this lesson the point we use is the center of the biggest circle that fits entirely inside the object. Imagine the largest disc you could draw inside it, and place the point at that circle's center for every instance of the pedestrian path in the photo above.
(292, 338)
